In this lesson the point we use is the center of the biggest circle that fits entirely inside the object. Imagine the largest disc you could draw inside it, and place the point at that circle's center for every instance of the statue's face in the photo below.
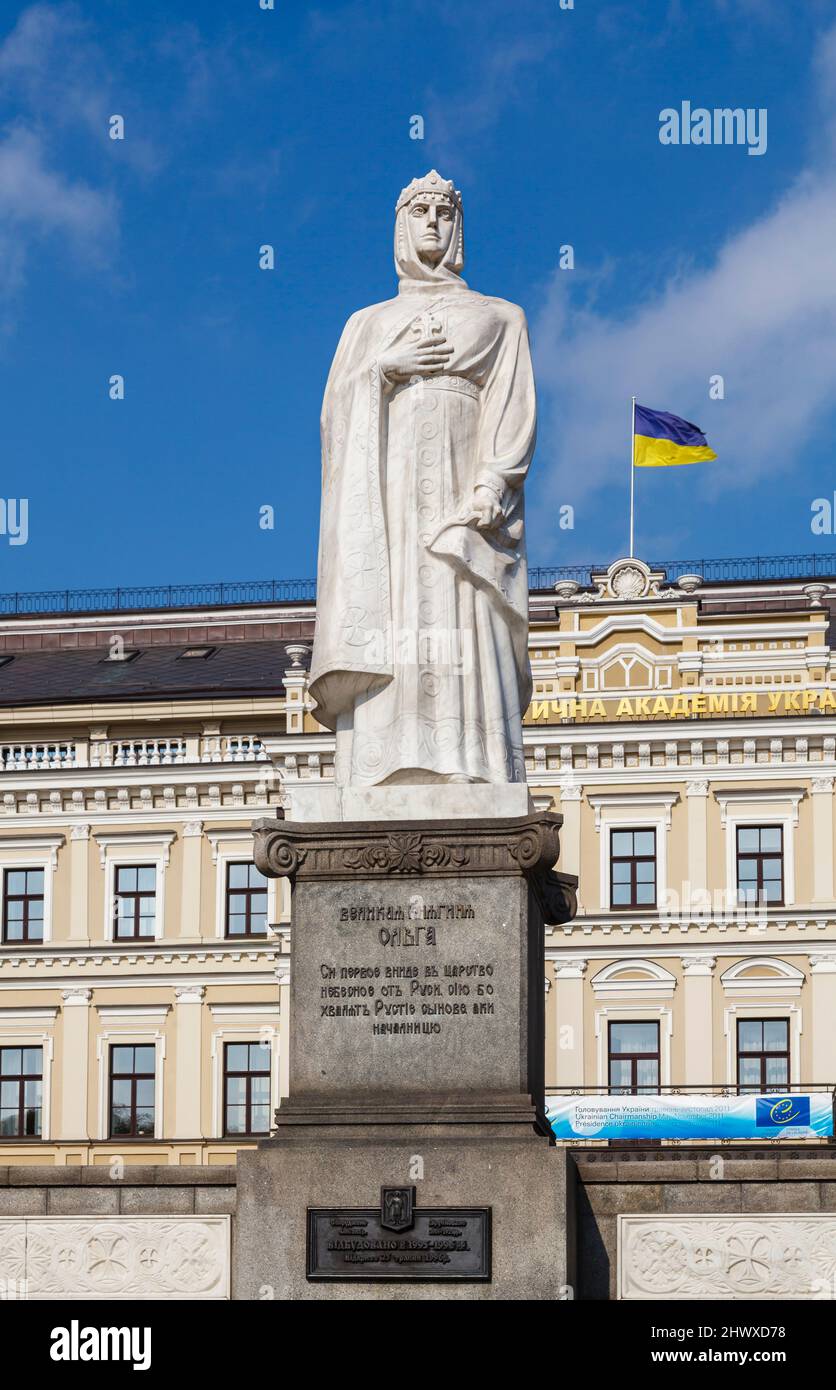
(431, 220)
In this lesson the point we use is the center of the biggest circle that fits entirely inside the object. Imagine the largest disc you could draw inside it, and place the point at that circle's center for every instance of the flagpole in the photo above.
(632, 470)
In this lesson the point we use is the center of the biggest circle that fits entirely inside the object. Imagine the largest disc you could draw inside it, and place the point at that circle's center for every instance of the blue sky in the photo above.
(292, 127)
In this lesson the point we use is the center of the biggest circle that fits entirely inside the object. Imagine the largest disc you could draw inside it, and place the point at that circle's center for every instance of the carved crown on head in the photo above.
(429, 184)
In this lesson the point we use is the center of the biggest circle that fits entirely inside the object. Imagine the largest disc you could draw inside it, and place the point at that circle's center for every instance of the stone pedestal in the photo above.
(522, 1179)
(416, 1054)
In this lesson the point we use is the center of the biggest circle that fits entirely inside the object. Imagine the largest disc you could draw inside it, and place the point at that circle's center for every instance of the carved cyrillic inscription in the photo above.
(415, 998)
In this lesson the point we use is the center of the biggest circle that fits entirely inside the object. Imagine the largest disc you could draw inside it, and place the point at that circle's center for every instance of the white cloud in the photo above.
(38, 202)
(50, 64)
(496, 81)
(763, 315)
(45, 200)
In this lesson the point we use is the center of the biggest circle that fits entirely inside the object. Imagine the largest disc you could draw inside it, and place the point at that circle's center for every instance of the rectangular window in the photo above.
(23, 905)
(132, 1085)
(633, 1058)
(632, 868)
(760, 863)
(763, 1054)
(21, 1090)
(246, 901)
(134, 901)
(246, 1088)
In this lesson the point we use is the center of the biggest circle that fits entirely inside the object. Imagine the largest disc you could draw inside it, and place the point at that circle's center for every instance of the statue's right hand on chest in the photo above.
(426, 357)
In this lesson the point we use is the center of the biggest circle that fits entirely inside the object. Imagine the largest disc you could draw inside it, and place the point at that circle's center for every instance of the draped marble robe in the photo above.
(420, 661)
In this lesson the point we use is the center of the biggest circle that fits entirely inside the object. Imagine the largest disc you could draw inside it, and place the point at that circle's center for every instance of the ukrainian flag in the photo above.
(661, 440)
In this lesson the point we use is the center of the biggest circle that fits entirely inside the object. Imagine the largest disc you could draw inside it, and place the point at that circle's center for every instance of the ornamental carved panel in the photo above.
(769, 1257)
(117, 1257)
(365, 851)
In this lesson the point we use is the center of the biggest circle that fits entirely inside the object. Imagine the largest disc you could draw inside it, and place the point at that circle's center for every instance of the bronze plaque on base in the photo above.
(399, 1242)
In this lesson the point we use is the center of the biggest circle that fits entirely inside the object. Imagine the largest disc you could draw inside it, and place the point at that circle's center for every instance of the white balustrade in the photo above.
(146, 752)
(34, 757)
(232, 748)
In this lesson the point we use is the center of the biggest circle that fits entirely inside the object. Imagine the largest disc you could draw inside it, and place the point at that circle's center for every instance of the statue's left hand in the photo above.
(486, 508)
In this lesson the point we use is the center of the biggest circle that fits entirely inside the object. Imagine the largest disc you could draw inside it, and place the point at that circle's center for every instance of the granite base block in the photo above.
(522, 1179)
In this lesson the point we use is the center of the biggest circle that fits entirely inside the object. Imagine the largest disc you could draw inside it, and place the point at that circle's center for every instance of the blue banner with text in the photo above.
(807, 1116)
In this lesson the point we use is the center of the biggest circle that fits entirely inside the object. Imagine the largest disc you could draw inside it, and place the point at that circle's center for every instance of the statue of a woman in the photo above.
(420, 660)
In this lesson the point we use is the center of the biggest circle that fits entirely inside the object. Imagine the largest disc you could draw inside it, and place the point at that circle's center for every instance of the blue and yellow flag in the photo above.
(661, 440)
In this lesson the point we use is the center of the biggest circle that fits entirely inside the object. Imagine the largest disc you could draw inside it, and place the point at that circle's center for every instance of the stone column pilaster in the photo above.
(697, 1027)
(571, 796)
(187, 1069)
(821, 791)
(569, 991)
(697, 798)
(192, 841)
(823, 981)
(75, 1057)
(79, 883)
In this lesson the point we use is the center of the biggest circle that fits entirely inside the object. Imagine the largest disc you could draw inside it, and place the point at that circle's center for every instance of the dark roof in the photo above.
(157, 672)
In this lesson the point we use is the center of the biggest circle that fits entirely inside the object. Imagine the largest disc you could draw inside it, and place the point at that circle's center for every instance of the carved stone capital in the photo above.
(189, 994)
(823, 963)
(698, 965)
(570, 791)
(76, 996)
(371, 850)
(570, 967)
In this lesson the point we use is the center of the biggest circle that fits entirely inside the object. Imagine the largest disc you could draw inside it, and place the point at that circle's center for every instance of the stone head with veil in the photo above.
(420, 661)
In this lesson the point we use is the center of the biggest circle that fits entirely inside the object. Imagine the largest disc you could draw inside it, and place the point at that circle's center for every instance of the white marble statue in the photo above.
(420, 660)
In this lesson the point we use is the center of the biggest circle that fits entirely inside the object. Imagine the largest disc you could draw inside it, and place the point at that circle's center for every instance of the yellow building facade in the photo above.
(686, 731)
(143, 966)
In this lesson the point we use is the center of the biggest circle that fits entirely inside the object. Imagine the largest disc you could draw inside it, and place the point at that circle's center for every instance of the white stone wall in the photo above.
(763, 1257)
(115, 1257)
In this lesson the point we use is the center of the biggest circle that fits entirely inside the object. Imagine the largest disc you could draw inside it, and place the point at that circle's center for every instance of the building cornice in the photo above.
(650, 924)
(630, 951)
(155, 952)
(73, 984)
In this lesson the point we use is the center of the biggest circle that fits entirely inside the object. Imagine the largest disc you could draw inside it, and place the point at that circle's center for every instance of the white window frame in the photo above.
(242, 1023)
(634, 1013)
(32, 852)
(28, 1022)
(761, 806)
(128, 1037)
(145, 850)
(773, 1009)
(234, 847)
(633, 811)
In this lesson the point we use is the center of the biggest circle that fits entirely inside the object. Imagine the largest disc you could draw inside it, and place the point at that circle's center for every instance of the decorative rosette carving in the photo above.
(405, 854)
